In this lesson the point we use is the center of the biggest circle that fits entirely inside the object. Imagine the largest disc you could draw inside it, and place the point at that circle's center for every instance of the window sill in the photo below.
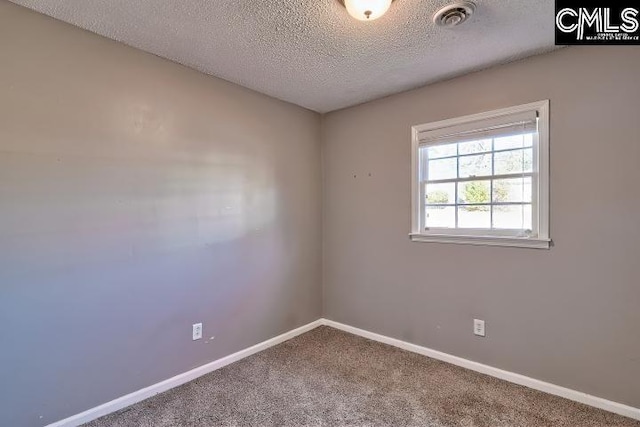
(512, 242)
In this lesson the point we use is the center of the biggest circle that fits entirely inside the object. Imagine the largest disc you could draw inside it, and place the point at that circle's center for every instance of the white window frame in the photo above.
(540, 189)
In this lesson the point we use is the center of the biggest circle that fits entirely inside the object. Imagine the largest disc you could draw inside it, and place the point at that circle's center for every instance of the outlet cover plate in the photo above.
(197, 331)
(478, 327)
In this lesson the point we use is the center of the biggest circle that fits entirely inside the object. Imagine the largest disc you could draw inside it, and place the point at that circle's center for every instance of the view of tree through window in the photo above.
(483, 184)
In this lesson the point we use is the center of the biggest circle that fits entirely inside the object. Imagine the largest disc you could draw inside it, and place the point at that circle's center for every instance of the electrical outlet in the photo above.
(197, 331)
(478, 327)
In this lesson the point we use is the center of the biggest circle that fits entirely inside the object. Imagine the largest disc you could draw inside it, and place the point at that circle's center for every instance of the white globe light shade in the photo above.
(367, 10)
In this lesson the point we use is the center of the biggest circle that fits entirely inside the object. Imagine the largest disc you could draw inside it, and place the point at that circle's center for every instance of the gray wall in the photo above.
(568, 315)
(138, 197)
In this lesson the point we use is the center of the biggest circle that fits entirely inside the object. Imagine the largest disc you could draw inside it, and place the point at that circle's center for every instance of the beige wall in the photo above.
(568, 315)
(138, 197)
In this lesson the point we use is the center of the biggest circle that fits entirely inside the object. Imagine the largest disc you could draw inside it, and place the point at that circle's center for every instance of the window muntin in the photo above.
(483, 177)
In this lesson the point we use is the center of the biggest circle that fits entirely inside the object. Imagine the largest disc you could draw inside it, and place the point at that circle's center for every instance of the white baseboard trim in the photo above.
(145, 393)
(577, 396)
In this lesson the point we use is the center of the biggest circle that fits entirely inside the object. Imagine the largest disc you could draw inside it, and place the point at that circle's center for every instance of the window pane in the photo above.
(474, 217)
(475, 165)
(474, 192)
(508, 142)
(528, 140)
(528, 217)
(443, 169)
(528, 160)
(441, 193)
(447, 150)
(472, 147)
(509, 162)
(514, 141)
(441, 217)
(514, 190)
(508, 217)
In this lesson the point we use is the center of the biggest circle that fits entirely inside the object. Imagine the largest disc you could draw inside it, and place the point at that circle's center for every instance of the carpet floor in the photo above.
(330, 378)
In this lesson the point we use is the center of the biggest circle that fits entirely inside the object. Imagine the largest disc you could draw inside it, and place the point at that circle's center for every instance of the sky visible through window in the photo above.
(483, 184)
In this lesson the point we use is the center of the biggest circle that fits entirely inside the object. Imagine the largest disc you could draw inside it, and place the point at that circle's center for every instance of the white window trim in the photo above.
(542, 240)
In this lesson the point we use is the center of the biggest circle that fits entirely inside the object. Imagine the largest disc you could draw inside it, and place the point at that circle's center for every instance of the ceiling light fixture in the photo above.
(454, 14)
(366, 10)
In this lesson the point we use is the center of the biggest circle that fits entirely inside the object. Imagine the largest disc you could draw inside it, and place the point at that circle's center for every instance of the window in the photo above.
(483, 179)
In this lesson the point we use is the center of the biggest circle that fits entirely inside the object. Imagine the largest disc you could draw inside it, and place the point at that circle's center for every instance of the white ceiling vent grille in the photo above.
(454, 14)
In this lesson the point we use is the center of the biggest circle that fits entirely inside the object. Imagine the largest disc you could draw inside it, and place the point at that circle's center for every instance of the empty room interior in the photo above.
(319, 213)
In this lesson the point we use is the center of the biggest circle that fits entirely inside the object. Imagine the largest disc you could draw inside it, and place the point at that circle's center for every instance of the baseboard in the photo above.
(577, 396)
(145, 393)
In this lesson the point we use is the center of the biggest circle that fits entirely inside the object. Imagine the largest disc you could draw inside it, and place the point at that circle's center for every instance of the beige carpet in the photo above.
(330, 378)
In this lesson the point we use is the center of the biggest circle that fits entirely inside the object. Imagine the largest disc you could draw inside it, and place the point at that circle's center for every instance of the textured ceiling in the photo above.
(311, 52)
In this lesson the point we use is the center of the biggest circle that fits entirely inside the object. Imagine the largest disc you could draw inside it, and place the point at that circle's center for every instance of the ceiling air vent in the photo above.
(454, 14)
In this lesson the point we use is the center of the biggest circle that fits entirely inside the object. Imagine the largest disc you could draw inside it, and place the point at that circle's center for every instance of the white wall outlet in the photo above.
(478, 327)
(197, 331)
